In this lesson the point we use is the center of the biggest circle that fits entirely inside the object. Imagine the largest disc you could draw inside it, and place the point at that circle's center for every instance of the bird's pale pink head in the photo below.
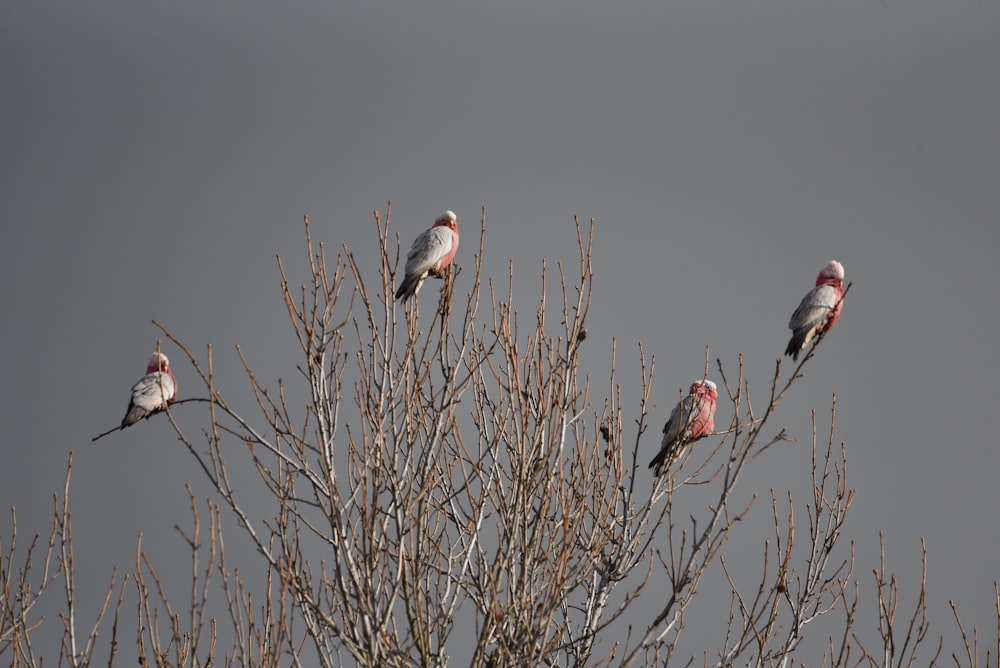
(158, 362)
(447, 219)
(833, 272)
(704, 387)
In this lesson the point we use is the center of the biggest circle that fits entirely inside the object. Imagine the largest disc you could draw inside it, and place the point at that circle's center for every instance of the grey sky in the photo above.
(155, 157)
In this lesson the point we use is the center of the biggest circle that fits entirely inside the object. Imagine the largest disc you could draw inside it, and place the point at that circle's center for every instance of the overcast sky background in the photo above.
(156, 156)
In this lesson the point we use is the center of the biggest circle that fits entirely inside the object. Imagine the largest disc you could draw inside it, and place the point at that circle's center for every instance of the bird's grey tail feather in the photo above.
(134, 415)
(408, 287)
(663, 460)
(795, 345)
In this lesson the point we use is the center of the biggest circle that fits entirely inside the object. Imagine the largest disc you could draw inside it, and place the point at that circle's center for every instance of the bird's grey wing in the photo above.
(152, 390)
(692, 409)
(813, 308)
(427, 249)
(679, 421)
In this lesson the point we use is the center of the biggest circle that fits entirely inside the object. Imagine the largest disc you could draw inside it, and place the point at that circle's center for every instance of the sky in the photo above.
(156, 157)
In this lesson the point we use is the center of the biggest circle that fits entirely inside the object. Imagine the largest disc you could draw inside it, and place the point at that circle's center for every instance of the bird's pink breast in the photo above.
(704, 422)
(834, 314)
(450, 255)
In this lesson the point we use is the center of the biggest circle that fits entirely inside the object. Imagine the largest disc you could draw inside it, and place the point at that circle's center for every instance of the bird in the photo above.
(430, 253)
(152, 392)
(691, 419)
(819, 310)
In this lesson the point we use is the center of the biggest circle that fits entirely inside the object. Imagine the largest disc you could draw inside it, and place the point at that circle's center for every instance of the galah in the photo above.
(430, 253)
(692, 418)
(152, 392)
(819, 310)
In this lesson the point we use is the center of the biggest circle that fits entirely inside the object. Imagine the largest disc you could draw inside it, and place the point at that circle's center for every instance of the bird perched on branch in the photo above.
(692, 418)
(152, 392)
(430, 254)
(819, 310)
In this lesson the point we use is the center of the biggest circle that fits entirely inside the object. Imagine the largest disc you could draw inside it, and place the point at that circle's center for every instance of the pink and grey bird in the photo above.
(819, 310)
(152, 392)
(692, 418)
(430, 254)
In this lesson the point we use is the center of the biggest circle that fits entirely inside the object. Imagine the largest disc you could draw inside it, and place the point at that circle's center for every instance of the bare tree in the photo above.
(452, 493)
